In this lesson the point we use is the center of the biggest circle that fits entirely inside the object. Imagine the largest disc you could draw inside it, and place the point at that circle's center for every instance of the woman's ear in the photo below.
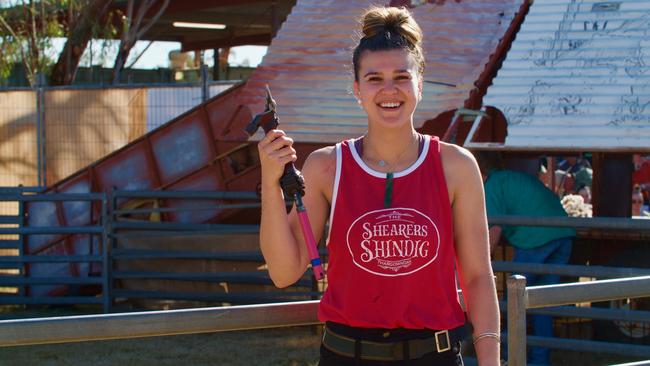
(355, 90)
(420, 86)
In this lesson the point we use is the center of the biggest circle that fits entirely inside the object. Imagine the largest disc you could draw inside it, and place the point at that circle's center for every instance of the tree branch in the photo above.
(18, 40)
(140, 55)
(153, 20)
(92, 13)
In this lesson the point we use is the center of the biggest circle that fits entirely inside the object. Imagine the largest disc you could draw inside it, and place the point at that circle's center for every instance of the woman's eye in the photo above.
(402, 77)
(374, 79)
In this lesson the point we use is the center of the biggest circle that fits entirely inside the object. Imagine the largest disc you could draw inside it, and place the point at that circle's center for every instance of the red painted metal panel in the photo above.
(77, 213)
(129, 169)
(227, 114)
(50, 270)
(84, 245)
(308, 65)
(207, 179)
(182, 148)
(41, 214)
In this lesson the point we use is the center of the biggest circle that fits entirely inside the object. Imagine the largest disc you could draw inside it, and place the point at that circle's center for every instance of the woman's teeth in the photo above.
(389, 104)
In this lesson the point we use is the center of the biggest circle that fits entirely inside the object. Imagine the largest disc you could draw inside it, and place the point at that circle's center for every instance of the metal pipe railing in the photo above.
(242, 195)
(588, 312)
(569, 269)
(573, 293)
(640, 363)
(45, 197)
(621, 223)
(521, 298)
(581, 345)
(165, 226)
(155, 323)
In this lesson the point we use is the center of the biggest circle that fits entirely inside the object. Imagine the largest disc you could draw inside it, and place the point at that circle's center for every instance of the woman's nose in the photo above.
(389, 87)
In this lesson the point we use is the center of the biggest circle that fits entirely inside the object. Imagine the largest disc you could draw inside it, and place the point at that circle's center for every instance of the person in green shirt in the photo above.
(509, 192)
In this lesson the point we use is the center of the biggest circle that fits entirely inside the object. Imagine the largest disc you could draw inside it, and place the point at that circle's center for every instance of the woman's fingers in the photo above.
(283, 155)
(274, 141)
(285, 152)
(275, 151)
(271, 137)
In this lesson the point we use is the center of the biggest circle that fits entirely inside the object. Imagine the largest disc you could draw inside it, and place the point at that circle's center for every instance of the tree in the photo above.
(134, 27)
(28, 27)
(93, 20)
(27, 31)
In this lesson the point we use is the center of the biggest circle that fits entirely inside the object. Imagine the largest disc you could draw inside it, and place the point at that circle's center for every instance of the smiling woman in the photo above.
(404, 210)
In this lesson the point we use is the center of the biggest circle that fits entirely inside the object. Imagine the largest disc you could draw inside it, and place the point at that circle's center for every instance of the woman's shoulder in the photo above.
(321, 161)
(457, 156)
(325, 155)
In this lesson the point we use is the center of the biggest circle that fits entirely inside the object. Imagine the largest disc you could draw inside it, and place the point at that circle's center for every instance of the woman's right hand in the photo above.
(275, 151)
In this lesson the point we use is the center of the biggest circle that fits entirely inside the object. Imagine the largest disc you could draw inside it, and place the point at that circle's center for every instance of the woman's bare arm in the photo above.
(472, 248)
(281, 238)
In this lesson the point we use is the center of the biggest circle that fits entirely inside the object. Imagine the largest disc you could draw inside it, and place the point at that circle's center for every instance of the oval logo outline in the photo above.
(437, 237)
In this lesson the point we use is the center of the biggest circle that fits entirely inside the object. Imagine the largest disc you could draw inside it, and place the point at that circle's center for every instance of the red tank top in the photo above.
(391, 267)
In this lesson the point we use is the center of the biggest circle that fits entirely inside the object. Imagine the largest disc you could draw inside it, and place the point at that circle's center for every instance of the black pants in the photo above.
(447, 358)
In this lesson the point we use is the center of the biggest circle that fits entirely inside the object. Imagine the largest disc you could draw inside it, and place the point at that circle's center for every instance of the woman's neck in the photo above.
(391, 152)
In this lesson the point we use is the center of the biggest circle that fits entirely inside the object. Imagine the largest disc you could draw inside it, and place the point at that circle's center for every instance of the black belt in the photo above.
(442, 341)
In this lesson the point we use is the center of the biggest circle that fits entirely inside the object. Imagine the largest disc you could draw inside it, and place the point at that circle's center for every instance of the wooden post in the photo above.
(517, 300)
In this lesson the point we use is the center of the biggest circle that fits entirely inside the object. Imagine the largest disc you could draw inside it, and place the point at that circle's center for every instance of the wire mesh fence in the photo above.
(44, 142)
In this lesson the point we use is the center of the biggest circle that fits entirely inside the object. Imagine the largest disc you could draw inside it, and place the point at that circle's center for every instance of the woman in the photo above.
(404, 211)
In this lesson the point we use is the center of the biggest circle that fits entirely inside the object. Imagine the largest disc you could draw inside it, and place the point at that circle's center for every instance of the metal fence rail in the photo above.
(137, 258)
(616, 223)
(521, 298)
(158, 323)
(114, 225)
(155, 323)
(188, 321)
(569, 270)
(27, 278)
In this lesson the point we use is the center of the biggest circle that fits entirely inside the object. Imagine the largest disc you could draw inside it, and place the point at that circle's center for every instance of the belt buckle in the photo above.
(442, 337)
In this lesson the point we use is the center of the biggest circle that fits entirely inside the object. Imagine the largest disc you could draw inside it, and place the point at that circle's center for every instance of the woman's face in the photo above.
(389, 87)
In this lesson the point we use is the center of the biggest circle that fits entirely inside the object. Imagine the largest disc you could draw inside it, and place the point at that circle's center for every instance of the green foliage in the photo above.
(27, 28)
(8, 51)
(26, 32)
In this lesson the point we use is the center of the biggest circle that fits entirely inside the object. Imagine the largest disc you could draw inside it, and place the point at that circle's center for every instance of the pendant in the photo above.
(381, 163)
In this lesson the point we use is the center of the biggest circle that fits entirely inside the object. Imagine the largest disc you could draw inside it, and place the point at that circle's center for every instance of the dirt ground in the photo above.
(275, 347)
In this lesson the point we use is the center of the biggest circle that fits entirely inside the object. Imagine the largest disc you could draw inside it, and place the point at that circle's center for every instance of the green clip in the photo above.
(388, 192)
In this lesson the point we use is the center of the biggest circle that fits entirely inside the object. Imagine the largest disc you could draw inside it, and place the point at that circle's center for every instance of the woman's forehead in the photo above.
(389, 60)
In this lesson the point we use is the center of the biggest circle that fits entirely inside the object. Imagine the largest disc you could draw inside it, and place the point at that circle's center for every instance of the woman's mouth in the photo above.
(390, 105)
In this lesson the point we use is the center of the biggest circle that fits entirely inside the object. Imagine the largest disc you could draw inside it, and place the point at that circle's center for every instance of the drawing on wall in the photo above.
(594, 64)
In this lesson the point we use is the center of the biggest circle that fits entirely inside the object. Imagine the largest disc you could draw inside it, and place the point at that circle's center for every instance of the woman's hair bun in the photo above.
(397, 21)
(389, 28)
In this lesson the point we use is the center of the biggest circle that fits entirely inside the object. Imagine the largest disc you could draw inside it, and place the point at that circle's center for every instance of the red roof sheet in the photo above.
(308, 65)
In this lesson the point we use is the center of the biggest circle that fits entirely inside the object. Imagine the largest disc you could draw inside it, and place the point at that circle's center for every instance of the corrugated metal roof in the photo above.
(578, 76)
(308, 65)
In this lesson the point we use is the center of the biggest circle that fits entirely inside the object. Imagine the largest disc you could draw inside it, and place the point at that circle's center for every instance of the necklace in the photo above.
(383, 162)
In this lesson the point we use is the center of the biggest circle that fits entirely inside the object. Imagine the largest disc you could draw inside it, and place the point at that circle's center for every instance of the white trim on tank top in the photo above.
(375, 173)
(335, 189)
